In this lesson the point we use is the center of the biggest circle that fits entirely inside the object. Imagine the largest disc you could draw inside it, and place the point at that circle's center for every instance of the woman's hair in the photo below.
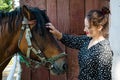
(100, 17)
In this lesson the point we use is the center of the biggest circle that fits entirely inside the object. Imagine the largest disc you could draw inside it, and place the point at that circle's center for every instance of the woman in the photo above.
(95, 54)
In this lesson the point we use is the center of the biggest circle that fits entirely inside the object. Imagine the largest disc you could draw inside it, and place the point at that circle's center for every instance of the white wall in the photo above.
(115, 37)
(16, 3)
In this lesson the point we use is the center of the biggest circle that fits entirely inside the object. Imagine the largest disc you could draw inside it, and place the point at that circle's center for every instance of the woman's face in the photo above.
(90, 30)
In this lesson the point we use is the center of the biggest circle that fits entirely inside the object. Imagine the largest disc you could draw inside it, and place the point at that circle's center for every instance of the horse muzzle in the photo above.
(57, 69)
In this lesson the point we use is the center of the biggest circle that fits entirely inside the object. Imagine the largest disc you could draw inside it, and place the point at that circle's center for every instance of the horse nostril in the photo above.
(65, 66)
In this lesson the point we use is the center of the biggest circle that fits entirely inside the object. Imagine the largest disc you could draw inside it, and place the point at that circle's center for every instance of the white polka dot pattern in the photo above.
(95, 63)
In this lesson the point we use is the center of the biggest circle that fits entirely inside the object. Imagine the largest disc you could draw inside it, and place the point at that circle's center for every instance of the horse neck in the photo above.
(9, 38)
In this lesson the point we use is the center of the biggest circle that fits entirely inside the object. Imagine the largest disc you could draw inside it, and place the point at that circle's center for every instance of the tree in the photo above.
(6, 5)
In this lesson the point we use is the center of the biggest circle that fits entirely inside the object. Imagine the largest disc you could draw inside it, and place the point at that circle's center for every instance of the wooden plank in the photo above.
(63, 22)
(95, 4)
(73, 67)
(76, 27)
(26, 72)
(34, 3)
(63, 15)
(41, 73)
(76, 16)
(41, 4)
(52, 11)
(91, 4)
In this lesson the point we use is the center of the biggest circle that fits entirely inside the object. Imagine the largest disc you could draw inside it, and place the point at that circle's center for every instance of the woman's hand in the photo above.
(54, 31)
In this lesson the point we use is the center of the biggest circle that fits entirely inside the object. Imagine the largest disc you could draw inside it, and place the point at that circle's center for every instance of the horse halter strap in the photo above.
(25, 28)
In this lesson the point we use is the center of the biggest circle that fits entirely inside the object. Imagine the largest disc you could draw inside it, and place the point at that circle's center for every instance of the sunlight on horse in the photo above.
(24, 30)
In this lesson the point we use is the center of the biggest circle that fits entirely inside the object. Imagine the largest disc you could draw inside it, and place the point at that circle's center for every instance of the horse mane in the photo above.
(14, 18)
(9, 19)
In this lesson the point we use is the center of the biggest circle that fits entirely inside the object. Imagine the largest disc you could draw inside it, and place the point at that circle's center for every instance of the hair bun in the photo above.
(105, 10)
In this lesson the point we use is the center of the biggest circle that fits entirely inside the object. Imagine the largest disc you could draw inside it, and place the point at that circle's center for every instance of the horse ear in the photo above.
(44, 13)
(26, 11)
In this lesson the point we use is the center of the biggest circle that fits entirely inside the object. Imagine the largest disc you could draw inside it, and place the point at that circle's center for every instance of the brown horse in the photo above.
(24, 30)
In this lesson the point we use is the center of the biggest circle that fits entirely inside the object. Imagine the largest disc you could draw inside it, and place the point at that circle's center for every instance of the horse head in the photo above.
(39, 44)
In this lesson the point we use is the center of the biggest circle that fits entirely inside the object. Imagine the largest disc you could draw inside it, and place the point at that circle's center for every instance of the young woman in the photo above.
(95, 54)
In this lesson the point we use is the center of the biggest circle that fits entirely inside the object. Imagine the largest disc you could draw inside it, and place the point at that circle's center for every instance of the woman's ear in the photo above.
(100, 28)
(26, 12)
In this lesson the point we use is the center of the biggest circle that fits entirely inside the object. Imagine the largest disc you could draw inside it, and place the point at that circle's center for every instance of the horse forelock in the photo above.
(41, 18)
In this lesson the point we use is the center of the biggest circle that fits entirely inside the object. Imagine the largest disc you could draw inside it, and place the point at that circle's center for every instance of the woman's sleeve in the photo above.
(104, 64)
(73, 41)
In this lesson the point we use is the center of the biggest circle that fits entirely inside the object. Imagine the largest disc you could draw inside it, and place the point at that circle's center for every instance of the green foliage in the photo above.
(6, 5)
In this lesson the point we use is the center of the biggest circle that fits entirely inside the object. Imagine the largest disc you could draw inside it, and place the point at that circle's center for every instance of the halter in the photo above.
(28, 35)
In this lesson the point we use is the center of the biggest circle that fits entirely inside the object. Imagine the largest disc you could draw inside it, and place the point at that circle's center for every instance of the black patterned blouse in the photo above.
(95, 63)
